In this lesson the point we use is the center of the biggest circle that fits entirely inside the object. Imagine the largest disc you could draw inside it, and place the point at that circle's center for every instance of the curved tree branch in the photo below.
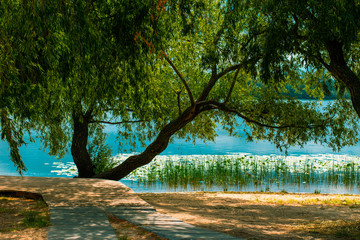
(214, 79)
(114, 123)
(223, 107)
(232, 86)
(181, 77)
(155, 148)
(178, 101)
(117, 109)
(322, 61)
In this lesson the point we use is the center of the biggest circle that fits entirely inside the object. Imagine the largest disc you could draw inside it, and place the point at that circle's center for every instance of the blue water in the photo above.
(40, 164)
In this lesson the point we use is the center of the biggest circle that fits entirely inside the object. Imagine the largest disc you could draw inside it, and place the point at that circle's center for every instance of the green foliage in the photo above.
(141, 64)
(11, 131)
(295, 35)
(100, 153)
(58, 57)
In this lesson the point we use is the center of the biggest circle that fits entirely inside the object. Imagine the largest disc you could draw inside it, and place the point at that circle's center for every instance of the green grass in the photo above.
(35, 219)
(34, 215)
(123, 238)
(40, 204)
(6, 210)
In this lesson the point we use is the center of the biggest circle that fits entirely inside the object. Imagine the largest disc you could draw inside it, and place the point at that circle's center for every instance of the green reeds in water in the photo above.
(247, 173)
(238, 172)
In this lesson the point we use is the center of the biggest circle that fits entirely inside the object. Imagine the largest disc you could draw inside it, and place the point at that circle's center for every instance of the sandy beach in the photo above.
(265, 215)
(250, 215)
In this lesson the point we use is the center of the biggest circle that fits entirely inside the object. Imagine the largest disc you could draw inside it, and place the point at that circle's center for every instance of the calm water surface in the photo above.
(41, 165)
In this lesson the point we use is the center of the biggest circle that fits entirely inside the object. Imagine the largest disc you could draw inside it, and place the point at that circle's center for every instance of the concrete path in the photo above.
(164, 225)
(80, 223)
(78, 206)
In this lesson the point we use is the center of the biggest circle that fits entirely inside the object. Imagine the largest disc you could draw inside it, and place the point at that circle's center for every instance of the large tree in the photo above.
(159, 70)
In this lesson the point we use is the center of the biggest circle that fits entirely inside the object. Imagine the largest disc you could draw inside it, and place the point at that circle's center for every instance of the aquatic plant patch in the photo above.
(233, 171)
(241, 172)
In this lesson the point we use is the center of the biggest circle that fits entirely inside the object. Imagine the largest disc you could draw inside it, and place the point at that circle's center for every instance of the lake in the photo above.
(41, 165)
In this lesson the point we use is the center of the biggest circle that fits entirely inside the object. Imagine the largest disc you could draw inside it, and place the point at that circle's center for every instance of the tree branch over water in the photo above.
(223, 107)
(115, 123)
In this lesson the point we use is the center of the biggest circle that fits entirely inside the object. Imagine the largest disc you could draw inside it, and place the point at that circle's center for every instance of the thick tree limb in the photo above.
(154, 149)
(163, 138)
(88, 114)
(342, 72)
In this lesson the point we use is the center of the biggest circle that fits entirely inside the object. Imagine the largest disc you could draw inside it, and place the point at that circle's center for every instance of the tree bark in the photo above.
(352, 82)
(154, 149)
(79, 151)
(341, 71)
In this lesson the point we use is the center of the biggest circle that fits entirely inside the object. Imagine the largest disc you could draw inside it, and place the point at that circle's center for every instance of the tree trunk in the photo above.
(352, 82)
(154, 149)
(341, 71)
(79, 151)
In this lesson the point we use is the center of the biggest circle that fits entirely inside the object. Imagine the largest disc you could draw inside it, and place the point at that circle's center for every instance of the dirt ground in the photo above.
(11, 217)
(245, 215)
(265, 216)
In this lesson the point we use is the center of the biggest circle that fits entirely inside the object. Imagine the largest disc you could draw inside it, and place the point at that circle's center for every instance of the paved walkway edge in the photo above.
(164, 225)
(78, 206)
